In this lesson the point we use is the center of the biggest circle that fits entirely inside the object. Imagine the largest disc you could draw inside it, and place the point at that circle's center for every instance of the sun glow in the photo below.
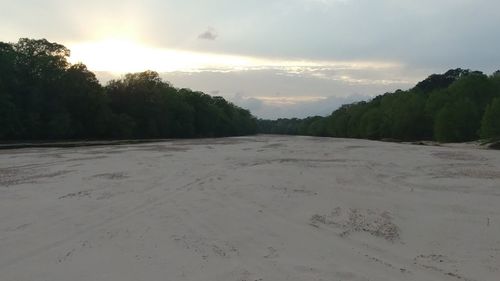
(124, 55)
(121, 55)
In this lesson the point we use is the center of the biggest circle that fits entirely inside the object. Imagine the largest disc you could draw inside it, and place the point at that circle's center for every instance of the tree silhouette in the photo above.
(43, 96)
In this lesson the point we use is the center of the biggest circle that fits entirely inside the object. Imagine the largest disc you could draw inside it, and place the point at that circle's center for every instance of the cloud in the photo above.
(122, 55)
(249, 103)
(298, 89)
(294, 107)
(275, 93)
(424, 34)
(209, 34)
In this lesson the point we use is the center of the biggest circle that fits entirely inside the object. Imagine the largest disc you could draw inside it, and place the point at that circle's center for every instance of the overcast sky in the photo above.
(279, 58)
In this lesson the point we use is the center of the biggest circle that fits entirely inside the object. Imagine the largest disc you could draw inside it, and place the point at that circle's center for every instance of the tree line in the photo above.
(459, 105)
(43, 96)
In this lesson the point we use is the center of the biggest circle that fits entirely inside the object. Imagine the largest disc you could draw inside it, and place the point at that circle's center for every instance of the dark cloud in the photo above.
(209, 34)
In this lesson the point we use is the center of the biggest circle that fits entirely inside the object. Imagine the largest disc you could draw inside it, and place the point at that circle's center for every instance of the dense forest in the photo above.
(459, 105)
(43, 96)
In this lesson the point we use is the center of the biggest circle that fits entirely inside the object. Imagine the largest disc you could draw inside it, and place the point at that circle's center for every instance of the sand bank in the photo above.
(251, 208)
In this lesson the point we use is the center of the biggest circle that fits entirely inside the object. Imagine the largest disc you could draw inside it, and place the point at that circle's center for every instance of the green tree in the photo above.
(457, 121)
(490, 125)
(370, 124)
(9, 121)
(85, 103)
(446, 107)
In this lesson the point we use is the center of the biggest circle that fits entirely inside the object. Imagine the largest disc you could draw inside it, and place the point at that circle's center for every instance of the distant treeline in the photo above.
(43, 96)
(459, 105)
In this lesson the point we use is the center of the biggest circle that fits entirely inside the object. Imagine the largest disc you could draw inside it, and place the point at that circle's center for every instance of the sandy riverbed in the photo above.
(252, 208)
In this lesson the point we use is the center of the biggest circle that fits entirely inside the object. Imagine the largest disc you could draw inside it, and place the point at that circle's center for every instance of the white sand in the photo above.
(253, 208)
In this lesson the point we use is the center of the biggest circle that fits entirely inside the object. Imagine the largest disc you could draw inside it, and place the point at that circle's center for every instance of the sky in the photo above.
(277, 58)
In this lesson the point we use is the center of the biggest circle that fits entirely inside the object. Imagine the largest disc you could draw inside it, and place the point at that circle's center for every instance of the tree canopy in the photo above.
(459, 105)
(43, 96)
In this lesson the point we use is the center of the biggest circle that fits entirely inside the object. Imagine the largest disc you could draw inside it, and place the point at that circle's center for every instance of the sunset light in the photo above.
(123, 55)
(119, 55)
